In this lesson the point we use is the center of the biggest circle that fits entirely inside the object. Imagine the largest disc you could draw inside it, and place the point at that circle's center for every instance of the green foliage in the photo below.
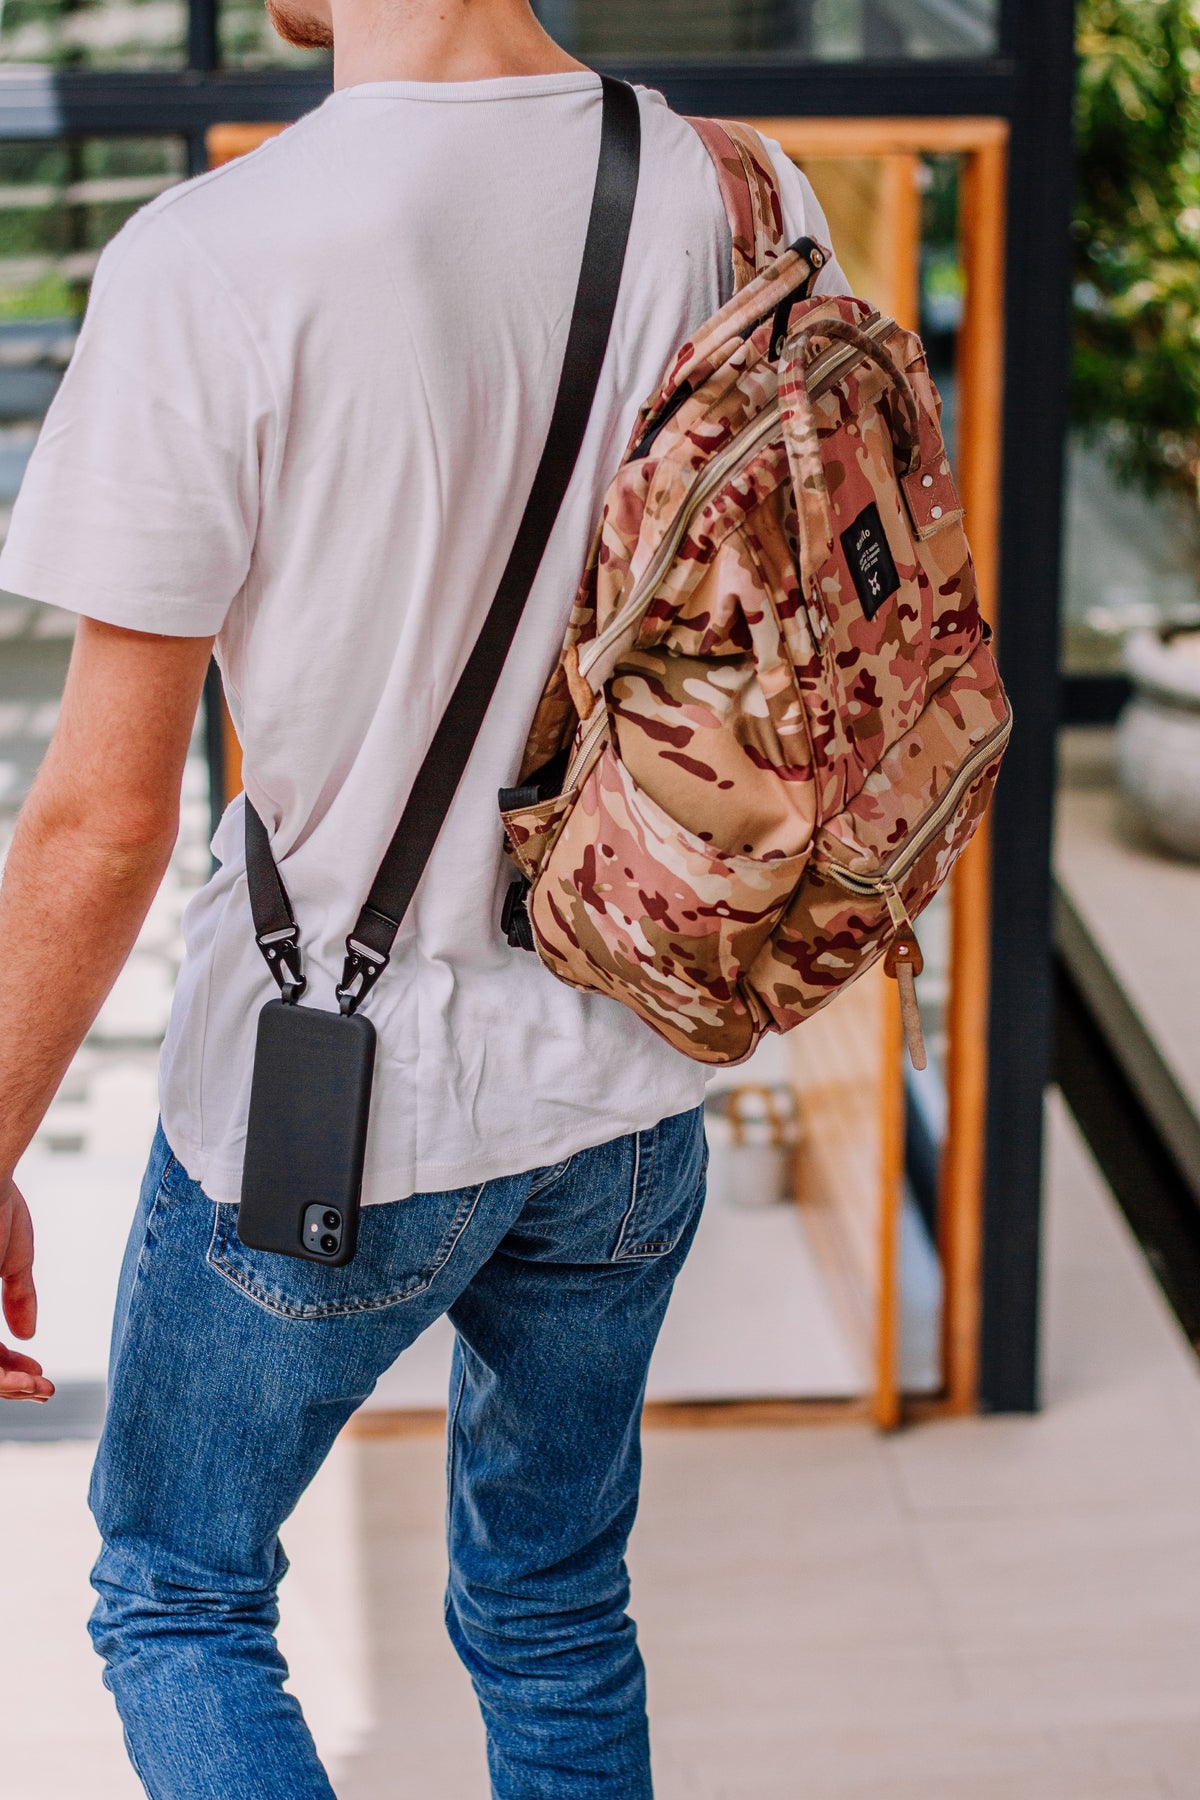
(58, 205)
(1137, 237)
(51, 296)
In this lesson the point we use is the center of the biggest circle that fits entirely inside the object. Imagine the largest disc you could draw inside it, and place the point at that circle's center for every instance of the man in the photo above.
(301, 422)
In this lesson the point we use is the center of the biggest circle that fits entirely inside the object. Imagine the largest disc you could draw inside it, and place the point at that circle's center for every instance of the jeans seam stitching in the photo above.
(555, 1175)
(662, 1249)
(452, 1450)
(163, 1191)
(638, 1250)
(620, 1250)
(139, 1267)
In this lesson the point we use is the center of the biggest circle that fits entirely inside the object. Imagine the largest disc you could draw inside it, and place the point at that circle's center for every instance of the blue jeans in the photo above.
(232, 1372)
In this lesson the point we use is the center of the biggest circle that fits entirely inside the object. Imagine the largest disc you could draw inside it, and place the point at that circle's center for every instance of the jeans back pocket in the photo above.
(402, 1246)
(669, 1166)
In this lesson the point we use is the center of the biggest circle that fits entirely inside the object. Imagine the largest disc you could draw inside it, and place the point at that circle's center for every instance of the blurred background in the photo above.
(923, 1447)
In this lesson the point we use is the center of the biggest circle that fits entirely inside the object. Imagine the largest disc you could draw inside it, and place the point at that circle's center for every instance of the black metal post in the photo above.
(197, 152)
(202, 46)
(793, 26)
(882, 36)
(1021, 1027)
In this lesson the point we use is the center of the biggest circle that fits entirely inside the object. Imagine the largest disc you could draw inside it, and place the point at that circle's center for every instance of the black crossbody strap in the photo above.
(275, 928)
(370, 943)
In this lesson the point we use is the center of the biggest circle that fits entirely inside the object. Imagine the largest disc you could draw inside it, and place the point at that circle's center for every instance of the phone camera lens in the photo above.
(329, 1243)
(332, 1220)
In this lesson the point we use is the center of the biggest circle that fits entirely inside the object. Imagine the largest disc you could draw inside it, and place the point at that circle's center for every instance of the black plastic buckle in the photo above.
(360, 971)
(516, 799)
(282, 952)
(545, 784)
(514, 918)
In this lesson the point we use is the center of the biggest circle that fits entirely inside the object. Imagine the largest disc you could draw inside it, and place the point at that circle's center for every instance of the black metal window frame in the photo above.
(1029, 82)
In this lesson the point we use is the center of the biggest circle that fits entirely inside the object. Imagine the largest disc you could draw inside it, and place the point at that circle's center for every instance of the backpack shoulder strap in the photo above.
(750, 191)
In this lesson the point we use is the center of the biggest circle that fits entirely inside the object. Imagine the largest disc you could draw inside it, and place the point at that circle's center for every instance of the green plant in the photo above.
(1137, 238)
(48, 296)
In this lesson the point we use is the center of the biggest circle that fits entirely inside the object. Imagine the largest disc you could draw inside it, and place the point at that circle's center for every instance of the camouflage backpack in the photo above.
(776, 721)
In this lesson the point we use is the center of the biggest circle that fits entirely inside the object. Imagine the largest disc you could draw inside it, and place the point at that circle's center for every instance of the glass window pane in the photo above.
(1131, 561)
(60, 203)
(128, 34)
(825, 30)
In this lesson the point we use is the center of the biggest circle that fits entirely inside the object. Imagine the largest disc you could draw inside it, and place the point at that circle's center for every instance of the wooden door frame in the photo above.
(982, 144)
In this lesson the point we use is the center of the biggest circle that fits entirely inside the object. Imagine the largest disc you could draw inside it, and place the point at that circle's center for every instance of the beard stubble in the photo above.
(295, 26)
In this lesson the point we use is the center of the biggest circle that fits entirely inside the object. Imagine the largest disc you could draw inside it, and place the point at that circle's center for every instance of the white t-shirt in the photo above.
(304, 413)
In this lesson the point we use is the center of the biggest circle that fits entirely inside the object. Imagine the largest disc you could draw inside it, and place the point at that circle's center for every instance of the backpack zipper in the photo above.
(904, 961)
(827, 371)
(594, 728)
(908, 853)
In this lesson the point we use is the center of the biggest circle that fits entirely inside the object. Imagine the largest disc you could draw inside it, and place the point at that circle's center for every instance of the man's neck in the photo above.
(441, 40)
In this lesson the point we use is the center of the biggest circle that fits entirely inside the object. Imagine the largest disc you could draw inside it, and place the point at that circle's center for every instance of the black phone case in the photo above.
(306, 1141)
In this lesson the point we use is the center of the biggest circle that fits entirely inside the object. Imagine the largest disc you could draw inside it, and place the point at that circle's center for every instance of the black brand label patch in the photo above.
(870, 560)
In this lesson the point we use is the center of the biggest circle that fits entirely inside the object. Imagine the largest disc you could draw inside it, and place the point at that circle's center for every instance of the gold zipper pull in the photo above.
(904, 963)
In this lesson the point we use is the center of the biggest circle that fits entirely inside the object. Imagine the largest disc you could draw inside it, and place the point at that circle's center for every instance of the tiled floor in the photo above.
(1003, 1609)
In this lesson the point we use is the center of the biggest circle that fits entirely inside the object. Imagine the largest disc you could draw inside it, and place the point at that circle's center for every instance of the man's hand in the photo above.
(20, 1377)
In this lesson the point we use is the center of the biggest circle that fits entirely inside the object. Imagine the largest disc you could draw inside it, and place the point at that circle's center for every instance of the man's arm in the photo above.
(90, 849)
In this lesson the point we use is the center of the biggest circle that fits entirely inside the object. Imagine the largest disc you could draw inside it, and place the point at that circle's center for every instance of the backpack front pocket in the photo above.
(532, 830)
(633, 905)
(879, 862)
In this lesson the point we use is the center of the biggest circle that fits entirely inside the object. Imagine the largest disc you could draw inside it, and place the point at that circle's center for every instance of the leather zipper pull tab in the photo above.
(583, 699)
(904, 963)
